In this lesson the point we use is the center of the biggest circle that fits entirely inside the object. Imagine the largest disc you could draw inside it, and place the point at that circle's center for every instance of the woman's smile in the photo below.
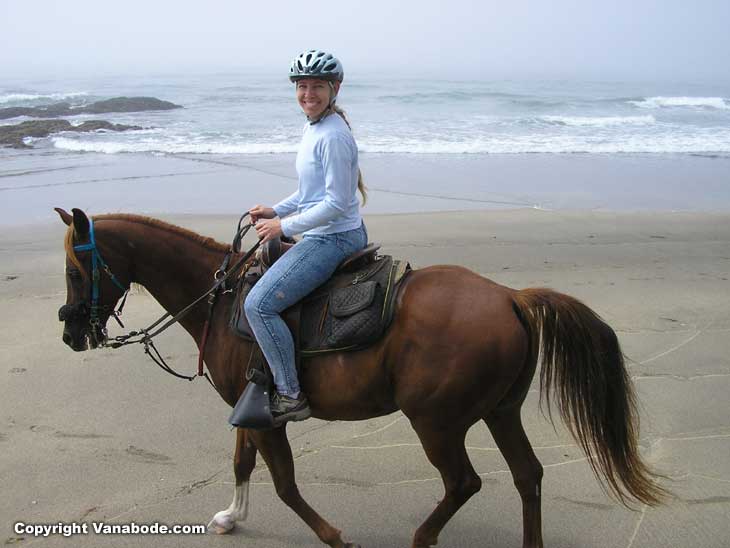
(313, 96)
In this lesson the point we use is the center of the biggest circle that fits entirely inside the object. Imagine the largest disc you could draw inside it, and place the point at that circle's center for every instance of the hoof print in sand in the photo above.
(40, 429)
(142, 455)
(80, 436)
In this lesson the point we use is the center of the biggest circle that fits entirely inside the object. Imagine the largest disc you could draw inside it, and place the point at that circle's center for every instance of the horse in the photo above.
(461, 349)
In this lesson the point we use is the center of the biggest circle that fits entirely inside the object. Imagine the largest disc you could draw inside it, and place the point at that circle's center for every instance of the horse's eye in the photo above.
(73, 274)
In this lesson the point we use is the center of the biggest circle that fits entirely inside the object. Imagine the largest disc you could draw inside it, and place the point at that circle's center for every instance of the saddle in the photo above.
(350, 311)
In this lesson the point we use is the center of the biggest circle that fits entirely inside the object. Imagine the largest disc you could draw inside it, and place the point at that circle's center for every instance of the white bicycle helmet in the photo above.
(316, 63)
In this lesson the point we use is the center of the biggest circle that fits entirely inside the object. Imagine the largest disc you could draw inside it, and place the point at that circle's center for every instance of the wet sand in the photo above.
(32, 183)
(107, 436)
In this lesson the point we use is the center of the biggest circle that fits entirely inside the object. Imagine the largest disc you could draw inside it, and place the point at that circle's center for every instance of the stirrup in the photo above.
(253, 409)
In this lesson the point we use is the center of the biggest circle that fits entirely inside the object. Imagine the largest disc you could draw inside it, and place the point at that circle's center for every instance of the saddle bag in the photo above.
(352, 318)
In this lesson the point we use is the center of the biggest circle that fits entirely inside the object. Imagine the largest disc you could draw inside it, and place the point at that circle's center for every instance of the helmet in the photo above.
(316, 64)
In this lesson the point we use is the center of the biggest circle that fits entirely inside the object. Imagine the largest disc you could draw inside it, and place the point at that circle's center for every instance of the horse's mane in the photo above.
(205, 241)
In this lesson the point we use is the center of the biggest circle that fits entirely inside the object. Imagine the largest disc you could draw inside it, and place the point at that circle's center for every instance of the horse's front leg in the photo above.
(244, 461)
(276, 451)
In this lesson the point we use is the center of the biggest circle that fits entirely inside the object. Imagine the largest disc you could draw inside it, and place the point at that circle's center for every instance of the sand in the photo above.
(107, 436)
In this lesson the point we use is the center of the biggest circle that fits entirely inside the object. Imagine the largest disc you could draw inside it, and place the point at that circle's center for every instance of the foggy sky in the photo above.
(462, 39)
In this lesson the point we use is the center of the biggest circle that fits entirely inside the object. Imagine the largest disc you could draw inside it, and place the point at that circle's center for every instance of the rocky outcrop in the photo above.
(117, 104)
(13, 136)
(57, 109)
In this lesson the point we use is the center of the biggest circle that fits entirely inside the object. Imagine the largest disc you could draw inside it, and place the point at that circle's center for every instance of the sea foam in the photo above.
(553, 145)
(664, 102)
(115, 147)
(599, 121)
(718, 142)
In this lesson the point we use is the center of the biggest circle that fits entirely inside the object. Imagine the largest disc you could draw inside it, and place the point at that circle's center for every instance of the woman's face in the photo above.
(314, 95)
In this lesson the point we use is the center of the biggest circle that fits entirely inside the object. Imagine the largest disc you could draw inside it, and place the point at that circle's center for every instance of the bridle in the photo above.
(145, 336)
(80, 310)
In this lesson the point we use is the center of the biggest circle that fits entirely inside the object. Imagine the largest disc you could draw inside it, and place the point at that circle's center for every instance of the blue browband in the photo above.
(96, 260)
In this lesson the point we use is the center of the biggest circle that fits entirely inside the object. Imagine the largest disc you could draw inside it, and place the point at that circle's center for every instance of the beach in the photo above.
(580, 147)
(33, 182)
(107, 436)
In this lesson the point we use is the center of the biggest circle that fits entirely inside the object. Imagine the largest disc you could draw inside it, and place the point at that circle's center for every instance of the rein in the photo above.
(145, 336)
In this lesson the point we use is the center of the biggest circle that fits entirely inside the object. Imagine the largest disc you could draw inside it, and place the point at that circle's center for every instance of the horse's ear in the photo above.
(65, 216)
(81, 222)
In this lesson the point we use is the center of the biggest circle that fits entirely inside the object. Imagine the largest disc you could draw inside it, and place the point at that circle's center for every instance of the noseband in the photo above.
(82, 310)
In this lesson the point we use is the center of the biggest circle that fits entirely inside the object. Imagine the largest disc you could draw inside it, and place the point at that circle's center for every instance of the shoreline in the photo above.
(31, 184)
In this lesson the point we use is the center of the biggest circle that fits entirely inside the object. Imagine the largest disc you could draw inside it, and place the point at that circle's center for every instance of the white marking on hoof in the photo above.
(225, 520)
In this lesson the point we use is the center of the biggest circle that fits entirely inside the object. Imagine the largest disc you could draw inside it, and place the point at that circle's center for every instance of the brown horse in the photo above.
(461, 349)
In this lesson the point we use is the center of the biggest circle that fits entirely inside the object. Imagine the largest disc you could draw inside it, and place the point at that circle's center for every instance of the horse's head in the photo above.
(96, 278)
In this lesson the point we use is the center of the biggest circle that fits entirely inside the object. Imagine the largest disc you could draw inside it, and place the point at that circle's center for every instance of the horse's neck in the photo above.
(174, 268)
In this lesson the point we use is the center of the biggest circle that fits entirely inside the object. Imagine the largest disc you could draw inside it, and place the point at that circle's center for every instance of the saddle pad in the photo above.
(238, 321)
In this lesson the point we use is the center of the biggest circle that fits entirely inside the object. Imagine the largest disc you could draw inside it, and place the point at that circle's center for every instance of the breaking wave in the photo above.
(6, 98)
(701, 102)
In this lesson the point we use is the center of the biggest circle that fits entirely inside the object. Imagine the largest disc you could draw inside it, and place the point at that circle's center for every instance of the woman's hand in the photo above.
(268, 229)
(261, 212)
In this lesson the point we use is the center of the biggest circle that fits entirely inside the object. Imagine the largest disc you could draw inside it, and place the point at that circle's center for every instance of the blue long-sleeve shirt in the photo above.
(326, 200)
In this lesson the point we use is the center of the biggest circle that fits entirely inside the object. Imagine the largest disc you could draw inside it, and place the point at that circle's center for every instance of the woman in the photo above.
(324, 209)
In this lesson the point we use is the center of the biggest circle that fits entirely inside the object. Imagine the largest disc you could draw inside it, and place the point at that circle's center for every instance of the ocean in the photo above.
(426, 145)
(254, 114)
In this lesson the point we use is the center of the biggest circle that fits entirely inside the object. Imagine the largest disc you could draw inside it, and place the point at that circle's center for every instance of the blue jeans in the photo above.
(293, 276)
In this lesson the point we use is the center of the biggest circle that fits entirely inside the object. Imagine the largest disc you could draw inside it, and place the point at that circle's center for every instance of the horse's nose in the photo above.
(67, 338)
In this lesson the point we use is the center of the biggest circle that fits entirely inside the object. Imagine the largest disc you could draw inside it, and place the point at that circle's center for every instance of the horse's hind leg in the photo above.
(276, 451)
(445, 449)
(244, 461)
(506, 428)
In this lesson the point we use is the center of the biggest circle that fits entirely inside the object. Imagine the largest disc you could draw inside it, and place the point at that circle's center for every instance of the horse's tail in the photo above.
(583, 364)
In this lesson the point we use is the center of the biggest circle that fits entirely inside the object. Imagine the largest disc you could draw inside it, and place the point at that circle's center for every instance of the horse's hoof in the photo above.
(221, 524)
